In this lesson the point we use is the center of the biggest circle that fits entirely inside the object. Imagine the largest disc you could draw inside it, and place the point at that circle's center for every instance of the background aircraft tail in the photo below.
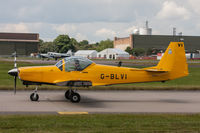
(174, 61)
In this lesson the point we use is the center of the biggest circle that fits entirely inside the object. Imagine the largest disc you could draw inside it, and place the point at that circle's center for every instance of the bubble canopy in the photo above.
(74, 63)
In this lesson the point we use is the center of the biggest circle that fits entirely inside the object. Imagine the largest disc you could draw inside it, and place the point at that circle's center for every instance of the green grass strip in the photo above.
(98, 123)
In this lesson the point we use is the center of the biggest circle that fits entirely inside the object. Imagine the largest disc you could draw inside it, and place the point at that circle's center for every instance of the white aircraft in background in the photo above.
(56, 55)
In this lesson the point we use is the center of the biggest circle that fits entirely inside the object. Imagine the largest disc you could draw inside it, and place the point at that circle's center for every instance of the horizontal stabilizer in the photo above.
(154, 70)
(149, 69)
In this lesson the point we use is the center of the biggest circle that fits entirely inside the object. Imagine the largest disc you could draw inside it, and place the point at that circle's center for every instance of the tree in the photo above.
(74, 42)
(104, 44)
(83, 42)
(129, 50)
(47, 47)
(41, 42)
(64, 43)
(149, 51)
(153, 51)
(138, 51)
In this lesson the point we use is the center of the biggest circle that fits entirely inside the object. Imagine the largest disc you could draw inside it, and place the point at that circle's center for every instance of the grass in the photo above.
(138, 123)
(185, 83)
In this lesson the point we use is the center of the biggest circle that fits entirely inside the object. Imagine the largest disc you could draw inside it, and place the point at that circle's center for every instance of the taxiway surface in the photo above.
(107, 101)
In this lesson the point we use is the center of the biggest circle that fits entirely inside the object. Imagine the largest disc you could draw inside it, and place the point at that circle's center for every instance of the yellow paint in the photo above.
(73, 113)
(173, 65)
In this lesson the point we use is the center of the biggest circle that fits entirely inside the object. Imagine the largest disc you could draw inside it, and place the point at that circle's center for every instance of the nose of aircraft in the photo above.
(13, 72)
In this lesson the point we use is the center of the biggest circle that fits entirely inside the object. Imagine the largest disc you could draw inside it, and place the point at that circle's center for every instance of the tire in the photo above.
(67, 95)
(34, 98)
(75, 98)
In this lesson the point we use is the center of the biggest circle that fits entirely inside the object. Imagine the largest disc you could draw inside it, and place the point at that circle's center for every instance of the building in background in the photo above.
(86, 53)
(123, 43)
(192, 43)
(23, 43)
(143, 38)
(113, 53)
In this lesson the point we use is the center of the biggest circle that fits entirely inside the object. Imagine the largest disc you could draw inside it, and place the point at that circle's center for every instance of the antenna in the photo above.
(174, 31)
(147, 25)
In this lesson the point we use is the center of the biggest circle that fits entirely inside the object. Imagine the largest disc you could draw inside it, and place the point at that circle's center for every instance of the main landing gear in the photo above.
(73, 96)
(70, 94)
(34, 96)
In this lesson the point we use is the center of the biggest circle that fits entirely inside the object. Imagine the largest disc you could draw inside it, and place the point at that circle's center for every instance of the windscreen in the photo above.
(76, 63)
(59, 64)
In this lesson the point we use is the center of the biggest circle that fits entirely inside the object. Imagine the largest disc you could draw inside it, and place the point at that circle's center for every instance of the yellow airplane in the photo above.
(79, 71)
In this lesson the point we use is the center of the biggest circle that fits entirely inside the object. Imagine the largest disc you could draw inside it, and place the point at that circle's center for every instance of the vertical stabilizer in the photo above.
(174, 61)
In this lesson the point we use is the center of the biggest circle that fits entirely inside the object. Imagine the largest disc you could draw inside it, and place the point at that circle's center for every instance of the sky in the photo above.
(96, 20)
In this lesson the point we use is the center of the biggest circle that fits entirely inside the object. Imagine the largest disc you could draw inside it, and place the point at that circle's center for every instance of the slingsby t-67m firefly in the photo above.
(78, 71)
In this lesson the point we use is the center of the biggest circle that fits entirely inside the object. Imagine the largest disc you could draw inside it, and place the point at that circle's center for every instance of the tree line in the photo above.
(63, 43)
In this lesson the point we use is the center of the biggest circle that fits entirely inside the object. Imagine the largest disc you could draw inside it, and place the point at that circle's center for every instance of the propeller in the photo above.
(15, 77)
(15, 84)
(14, 72)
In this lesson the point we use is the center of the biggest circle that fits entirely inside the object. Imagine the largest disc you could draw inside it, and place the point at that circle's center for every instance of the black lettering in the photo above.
(125, 76)
(122, 76)
(112, 76)
(102, 76)
(116, 76)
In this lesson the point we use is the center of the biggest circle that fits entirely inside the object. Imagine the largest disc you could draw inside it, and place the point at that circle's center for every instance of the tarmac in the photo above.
(105, 101)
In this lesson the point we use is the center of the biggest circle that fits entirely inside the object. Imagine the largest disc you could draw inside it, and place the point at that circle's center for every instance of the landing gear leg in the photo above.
(34, 96)
(68, 94)
(73, 96)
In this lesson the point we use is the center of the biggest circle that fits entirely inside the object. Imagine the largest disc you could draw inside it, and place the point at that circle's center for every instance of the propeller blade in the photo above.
(15, 60)
(15, 77)
(15, 84)
(14, 71)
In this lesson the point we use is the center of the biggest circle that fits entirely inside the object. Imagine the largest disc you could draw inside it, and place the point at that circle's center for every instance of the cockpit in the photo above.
(74, 63)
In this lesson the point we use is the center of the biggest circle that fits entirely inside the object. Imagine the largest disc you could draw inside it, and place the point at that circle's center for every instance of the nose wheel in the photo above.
(34, 96)
(73, 96)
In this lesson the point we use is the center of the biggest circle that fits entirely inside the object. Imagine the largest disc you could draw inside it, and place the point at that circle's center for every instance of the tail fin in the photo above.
(174, 61)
